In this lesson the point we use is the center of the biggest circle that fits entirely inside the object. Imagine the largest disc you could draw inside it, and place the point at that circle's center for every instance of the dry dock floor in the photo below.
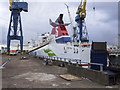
(32, 73)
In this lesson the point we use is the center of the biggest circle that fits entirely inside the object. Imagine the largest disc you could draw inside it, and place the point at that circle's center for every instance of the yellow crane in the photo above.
(10, 1)
(82, 9)
(80, 32)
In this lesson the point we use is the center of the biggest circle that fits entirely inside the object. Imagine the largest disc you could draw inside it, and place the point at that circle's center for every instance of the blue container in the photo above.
(99, 55)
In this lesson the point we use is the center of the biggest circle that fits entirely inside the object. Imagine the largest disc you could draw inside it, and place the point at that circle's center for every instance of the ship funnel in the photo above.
(60, 18)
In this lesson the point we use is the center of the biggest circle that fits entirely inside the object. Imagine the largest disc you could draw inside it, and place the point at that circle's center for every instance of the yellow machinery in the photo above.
(19, 46)
(10, 3)
(82, 8)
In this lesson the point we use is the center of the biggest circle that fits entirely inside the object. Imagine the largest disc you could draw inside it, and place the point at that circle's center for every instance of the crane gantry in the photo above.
(81, 33)
(15, 26)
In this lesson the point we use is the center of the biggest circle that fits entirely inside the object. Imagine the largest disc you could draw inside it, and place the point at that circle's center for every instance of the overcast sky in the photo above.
(102, 24)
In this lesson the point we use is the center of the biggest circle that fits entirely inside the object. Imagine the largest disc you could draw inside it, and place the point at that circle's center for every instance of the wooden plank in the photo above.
(69, 77)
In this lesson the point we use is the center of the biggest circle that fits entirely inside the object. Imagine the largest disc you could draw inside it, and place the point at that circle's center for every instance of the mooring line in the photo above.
(2, 66)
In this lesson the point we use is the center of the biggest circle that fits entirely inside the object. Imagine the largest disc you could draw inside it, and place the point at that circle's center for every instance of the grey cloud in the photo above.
(37, 19)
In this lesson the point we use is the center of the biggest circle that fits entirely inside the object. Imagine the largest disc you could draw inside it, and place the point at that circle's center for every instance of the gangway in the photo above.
(39, 47)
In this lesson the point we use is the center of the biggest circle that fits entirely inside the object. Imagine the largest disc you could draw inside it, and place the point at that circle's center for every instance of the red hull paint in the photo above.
(84, 64)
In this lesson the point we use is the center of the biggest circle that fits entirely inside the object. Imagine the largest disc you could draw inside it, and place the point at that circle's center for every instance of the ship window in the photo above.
(66, 33)
(62, 27)
(111, 48)
(77, 51)
(42, 34)
(44, 37)
(63, 33)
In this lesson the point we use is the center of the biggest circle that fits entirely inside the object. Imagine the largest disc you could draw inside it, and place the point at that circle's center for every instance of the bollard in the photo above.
(101, 68)
(64, 59)
(51, 62)
(57, 58)
(62, 65)
(77, 63)
(60, 59)
(47, 62)
(69, 62)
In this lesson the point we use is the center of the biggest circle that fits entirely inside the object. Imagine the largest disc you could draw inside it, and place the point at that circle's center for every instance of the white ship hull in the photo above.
(65, 51)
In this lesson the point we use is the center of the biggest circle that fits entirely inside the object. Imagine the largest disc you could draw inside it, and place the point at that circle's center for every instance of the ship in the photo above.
(58, 43)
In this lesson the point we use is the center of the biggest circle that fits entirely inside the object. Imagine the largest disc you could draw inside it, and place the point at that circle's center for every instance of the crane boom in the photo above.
(84, 5)
(82, 9)
(70, 18)
(80, 6)
(10, 1)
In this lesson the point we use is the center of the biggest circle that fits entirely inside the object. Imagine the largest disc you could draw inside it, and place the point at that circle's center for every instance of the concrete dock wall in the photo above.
(94, 75)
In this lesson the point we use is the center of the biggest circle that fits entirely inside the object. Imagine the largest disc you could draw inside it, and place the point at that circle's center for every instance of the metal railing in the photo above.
(101, 65)
(72, 61)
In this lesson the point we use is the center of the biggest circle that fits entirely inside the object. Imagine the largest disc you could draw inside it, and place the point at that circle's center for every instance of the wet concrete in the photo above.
(32, 73)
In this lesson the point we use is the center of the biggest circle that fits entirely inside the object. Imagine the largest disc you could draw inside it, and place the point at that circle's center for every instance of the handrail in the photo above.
(101, 65)
(76, 61)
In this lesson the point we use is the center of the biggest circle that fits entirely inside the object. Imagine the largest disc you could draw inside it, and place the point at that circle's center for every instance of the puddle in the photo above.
(109, 87)
(36, 76)
(55, 85)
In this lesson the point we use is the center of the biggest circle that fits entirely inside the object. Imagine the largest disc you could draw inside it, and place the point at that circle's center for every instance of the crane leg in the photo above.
(16, 20)
(21, 44)
(8, 45)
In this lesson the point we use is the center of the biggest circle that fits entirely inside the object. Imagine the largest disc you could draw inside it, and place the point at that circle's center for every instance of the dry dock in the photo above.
(32, 73)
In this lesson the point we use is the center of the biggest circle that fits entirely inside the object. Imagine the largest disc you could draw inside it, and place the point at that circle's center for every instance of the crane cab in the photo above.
(23, 6)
